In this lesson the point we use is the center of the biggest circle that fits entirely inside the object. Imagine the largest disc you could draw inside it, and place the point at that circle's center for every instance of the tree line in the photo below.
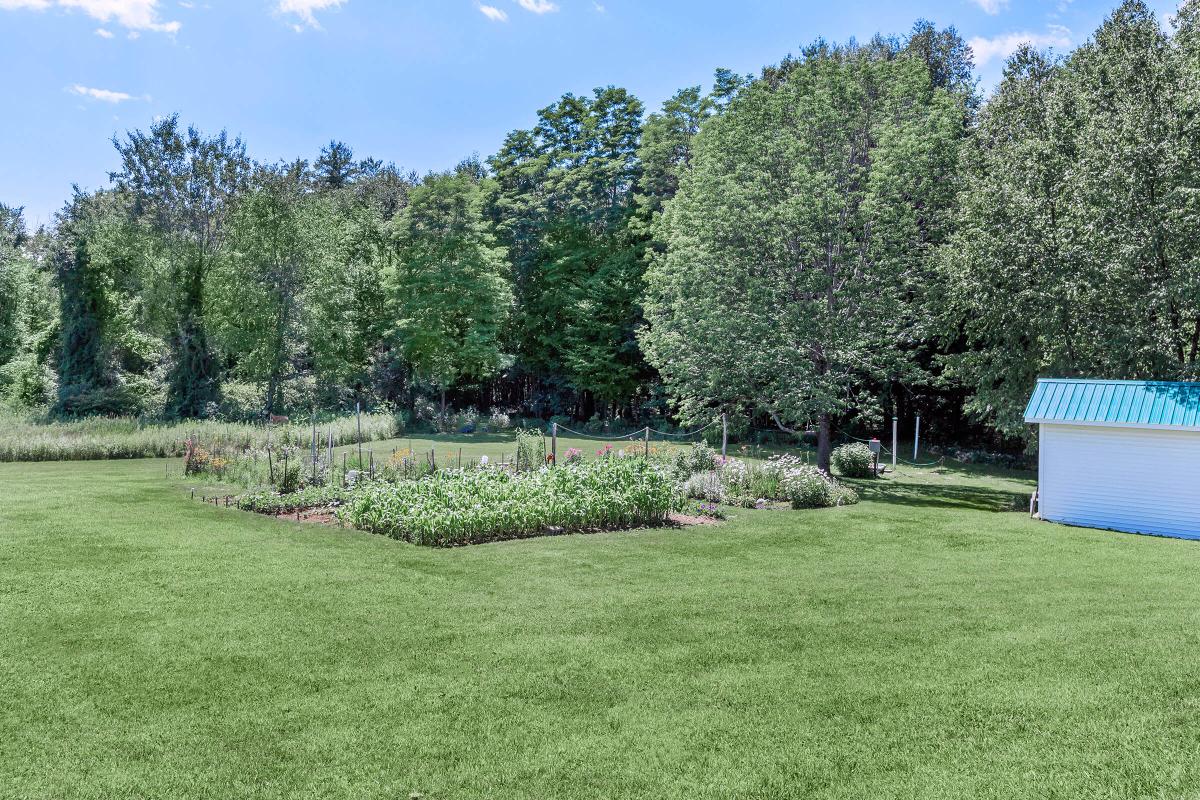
(852, 233)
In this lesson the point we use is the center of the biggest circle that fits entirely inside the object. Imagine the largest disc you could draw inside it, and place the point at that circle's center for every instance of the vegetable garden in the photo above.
(418, 498)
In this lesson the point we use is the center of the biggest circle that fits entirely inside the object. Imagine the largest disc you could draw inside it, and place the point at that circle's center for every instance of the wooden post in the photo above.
(343, 470)
(724, 435)
(460, 458)
(314, 446)
(647, 442)
(372, 454)
(917, 438)
(358, 415)
(554, 442)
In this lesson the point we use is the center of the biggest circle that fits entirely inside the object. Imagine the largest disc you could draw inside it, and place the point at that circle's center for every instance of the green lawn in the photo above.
(924, 643)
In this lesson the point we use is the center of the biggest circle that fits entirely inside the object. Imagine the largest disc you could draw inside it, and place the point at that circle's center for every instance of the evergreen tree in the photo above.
(450, 285)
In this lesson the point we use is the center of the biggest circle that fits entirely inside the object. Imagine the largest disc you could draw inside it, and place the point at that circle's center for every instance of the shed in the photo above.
(1120, 455)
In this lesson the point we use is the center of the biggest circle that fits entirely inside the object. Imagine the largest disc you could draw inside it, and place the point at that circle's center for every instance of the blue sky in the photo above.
(423, 83)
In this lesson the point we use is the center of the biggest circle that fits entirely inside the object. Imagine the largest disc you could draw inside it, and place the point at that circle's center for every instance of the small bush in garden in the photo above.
(498, 420)
(288, 476)
(574, 456)
(265, 502)
(809, 487)
(709, 511)
(853, 460)
(705, 486)
(697, 458)
(530, 448)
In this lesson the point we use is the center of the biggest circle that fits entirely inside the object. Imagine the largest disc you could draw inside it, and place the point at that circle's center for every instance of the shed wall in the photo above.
(1127, 479)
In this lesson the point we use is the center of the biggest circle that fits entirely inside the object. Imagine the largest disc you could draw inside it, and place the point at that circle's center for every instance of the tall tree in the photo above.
(1075, 244)
(261, 286)
(183, 184)
(450, 285)
(791, 237)
(563, 206)
(335, 167)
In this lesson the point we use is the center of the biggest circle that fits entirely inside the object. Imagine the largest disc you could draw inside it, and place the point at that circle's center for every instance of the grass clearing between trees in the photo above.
(926, 642)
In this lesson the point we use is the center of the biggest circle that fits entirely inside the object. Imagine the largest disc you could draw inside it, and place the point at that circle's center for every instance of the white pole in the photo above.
(917, 438)
(895, 430)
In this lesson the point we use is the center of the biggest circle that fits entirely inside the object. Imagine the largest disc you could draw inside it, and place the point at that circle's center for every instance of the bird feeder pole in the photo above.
(895, 430)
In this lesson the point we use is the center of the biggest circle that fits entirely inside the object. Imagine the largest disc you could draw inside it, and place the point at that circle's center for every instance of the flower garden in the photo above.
(443, 503)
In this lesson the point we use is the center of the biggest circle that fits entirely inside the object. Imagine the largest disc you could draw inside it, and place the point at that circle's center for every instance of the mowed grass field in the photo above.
(926, 643)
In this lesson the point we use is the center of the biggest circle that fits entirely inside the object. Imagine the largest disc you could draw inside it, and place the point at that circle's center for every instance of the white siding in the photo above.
(1126, 479)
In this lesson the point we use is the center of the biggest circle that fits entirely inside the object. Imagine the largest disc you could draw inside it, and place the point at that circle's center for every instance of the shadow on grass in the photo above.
(977, 498)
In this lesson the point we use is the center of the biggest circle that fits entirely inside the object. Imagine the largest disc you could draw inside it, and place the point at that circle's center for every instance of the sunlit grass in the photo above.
(924, 643)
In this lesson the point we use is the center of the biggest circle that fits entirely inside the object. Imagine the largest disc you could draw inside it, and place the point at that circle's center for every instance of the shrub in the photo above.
(705, 486)
(809, 487)
(467, 506)
(499, 420)
(697, 458)
(531, 448)
(267, 502)
(853, 460)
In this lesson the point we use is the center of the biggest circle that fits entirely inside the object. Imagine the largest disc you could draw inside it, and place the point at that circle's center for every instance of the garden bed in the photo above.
(468, 506)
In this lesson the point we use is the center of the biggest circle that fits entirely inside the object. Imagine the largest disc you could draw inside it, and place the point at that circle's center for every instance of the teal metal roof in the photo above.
(1149, 403)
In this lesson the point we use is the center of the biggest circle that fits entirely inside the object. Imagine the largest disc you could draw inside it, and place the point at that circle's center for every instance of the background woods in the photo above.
(853, 233)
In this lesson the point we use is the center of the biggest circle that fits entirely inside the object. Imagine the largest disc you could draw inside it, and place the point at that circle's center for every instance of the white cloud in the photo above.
(103, 95)
(537, 6)
(493, 13)
(104, 34)
(304, 10)
(600, 9)
(133, 14)
(992, 7)
(137, 15)
(1006, 44)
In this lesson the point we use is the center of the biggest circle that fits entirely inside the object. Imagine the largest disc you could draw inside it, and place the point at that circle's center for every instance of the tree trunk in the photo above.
(824, 443)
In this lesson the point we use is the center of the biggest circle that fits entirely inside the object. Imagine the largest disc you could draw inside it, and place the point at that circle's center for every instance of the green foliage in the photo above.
(472, 506)
(1076, 237)
(853, 460)
(563, 203)
(450, 285)
(182, 185)
(791, 245)
(270, 502)
(809, 487)
(531, 450)
(698, 458)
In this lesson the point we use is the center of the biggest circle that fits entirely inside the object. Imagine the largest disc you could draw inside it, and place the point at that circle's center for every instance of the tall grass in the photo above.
(95, 439)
